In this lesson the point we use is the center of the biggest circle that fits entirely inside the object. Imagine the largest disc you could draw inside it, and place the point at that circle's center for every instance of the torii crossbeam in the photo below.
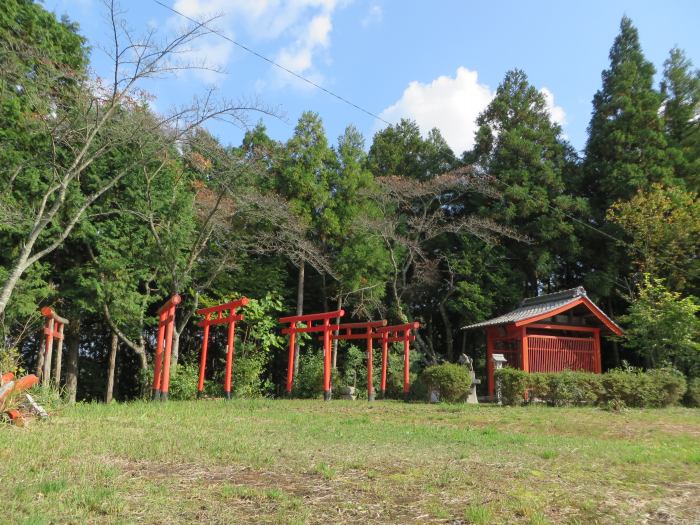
(400, 333)
(326, 328)
(222, 314)
(369, 334)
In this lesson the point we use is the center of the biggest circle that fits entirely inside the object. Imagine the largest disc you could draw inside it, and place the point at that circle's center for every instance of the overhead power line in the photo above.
(272, 62)
(374, 115)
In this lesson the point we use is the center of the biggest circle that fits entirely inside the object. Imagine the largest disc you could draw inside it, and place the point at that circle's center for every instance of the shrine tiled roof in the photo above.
(533, 307)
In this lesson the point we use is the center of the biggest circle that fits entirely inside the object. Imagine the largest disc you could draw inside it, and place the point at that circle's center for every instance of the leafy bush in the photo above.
(622, 386)
(617, 388)
(9, 360)
(664, 327)
(182, 386)
(570, 388)
(247, 377)
(692, 396)
(309, 381)
(666, 387)
(452, 381)
(514, 384)
(183, 382)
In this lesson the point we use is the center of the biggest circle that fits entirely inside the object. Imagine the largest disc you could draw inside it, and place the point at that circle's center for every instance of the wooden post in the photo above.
(290, 363)
(597, 359)
(385, 362)
(158, 358)
(489, 361)
(59, 356)
(326, 360)
(46, 375)
(165, 380)
(229, 355)
(203, 359)
(370, 381)
(524, 350)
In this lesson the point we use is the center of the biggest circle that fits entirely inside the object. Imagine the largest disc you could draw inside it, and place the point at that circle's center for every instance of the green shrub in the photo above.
(658, 388)
(248, 377)
(394, 377)
(309, 381)
(183, 382)
(623, 386)
(514, 384)
(666, 387)
(570, 388)
(9, 360)
(452, 381)
(692, 395)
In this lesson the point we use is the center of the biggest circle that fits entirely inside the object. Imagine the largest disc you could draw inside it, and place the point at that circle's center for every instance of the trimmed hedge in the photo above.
(452, 381)
(660, 387)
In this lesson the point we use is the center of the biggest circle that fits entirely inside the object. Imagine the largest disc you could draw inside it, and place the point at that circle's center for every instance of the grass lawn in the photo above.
(282, 461)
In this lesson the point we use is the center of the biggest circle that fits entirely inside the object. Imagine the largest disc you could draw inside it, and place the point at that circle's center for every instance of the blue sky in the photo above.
(438, 62)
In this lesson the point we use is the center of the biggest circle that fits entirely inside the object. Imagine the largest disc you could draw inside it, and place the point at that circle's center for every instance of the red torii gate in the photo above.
(53, 328)
(369, 335)
(397, 334)
(230, 321)
(326, 328)
(161, 371)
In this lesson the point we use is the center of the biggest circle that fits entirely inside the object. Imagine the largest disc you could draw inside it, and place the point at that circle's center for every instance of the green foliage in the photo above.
(663, 327)
(692, 395)
(514, 384)
(619, 388)
(571, 388)
(626, 148)
(9, 360)
(248, 373)
(663, 227)
(634, 388)
(680, 89)
(401, 150)
(308, 383)
(518, 143)
(451, 380)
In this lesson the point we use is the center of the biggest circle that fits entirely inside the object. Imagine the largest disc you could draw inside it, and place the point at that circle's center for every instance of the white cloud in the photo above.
(302, 28)
(374, 15)
(450, 104)
(556, 113)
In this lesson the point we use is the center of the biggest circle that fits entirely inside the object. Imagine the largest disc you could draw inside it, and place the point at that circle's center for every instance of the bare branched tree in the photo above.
(417, 212)
(99, 116)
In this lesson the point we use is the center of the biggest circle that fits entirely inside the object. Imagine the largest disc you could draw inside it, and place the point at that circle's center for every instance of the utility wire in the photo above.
(272, 62)
(374, 115)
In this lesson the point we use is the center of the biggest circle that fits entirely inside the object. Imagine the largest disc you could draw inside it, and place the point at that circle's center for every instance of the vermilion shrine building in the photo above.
(548, 333)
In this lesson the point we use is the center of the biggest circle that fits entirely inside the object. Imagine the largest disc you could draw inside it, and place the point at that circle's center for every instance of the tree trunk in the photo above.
(73, 344)
(300, 311)
(110, 367)
(449, 341)
(20, 266)
(339, 305)
(615, 353)
(175, 351)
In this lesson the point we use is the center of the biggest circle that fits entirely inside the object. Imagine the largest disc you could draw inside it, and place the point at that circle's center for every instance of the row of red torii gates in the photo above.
(226, 314)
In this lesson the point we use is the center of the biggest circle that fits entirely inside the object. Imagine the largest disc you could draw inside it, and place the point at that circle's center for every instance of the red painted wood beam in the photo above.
(312, 317)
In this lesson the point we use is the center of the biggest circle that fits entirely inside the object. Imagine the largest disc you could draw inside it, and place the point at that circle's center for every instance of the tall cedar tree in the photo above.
(519, 145)
(680, 89)
(626, 148)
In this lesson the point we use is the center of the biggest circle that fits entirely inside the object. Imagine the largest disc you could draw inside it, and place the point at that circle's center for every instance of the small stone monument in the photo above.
(467, 361)
(498, 361)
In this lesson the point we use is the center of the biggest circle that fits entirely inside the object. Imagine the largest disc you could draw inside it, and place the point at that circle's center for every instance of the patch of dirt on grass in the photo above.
(344, 498)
